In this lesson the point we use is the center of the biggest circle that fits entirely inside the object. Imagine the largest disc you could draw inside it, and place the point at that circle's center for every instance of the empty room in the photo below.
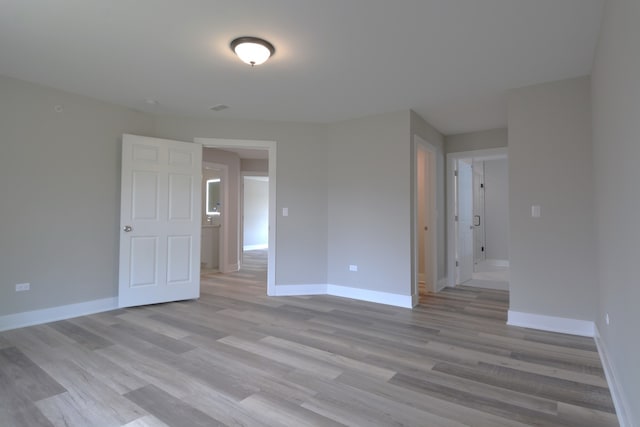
(296, 213)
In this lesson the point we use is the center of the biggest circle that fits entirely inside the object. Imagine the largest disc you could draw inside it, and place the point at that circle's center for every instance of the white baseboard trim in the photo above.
(442, 283)
(497, 262)
(406, 301)
(563, 325)
(619, 401)
(293, 290)
(37, 317)
(231, 268)
(397, 300)
(255, 247)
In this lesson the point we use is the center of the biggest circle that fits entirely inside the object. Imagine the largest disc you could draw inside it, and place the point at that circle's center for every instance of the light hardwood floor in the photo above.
(236, 357)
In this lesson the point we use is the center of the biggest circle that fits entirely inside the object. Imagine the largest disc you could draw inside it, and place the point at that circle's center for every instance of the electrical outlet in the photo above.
(606, 318)
(353, 267)
(20, 287)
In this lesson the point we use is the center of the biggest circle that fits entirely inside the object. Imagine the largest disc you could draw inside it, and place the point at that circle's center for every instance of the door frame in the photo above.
(452, 241)
(270, 146)
(419, 143)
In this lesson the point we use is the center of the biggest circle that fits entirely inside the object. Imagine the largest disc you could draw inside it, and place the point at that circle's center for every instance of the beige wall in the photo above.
(254, 165)
(482, 140)
(616, 141)
(60, 192)
(552, 258)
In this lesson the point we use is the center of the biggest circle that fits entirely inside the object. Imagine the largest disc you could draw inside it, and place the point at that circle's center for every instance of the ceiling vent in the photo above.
(219, 107)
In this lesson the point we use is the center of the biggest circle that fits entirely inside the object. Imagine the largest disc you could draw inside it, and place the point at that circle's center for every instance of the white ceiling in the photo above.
(449, 60)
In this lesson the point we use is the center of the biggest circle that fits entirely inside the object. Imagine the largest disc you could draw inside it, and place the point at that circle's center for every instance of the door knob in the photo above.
(127, 228)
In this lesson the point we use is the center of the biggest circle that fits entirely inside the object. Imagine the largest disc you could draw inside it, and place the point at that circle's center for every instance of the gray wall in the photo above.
(256, 211)
(61, 172)
(60, 192)
(369, 200)
(496, 207)
(552, 258)
(482, 140)
(616, 141)
(301, 238)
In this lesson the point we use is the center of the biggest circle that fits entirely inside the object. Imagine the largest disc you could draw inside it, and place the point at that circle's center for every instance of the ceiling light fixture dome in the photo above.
(252, 50)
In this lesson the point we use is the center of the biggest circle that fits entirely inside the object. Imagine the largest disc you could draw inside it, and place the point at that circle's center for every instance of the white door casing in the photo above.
(159, 221)
(465, 221)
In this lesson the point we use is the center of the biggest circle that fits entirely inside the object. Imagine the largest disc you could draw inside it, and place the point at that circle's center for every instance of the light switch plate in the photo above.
(285, 211)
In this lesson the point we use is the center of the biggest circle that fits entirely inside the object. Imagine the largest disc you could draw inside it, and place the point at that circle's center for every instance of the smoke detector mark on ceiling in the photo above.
(219, 107)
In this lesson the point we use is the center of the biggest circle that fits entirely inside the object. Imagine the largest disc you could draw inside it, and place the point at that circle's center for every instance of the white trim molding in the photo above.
(562, 325)
(52, 314)
(619, 401)
(442, 283)
(405, 301)
(371, 296)
(294, 290)
(230, 268)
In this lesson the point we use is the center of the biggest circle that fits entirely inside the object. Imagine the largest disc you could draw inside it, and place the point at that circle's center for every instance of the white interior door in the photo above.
(465, 221)
(425, 188)
(159, 221)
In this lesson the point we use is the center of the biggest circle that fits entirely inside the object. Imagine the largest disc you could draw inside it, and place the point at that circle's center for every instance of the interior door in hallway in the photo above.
(479, 218)
(159, 221)
(464, 255)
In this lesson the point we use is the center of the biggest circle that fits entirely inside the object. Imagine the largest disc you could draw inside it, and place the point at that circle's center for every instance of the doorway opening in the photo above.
(245, 158)
(478, 218)
(425, 224)
(215, 221)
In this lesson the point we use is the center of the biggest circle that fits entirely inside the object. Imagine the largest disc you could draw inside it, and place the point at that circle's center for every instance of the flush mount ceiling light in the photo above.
(252, 50)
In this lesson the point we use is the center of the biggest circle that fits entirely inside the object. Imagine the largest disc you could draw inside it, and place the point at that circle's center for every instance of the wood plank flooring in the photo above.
(236, 357)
